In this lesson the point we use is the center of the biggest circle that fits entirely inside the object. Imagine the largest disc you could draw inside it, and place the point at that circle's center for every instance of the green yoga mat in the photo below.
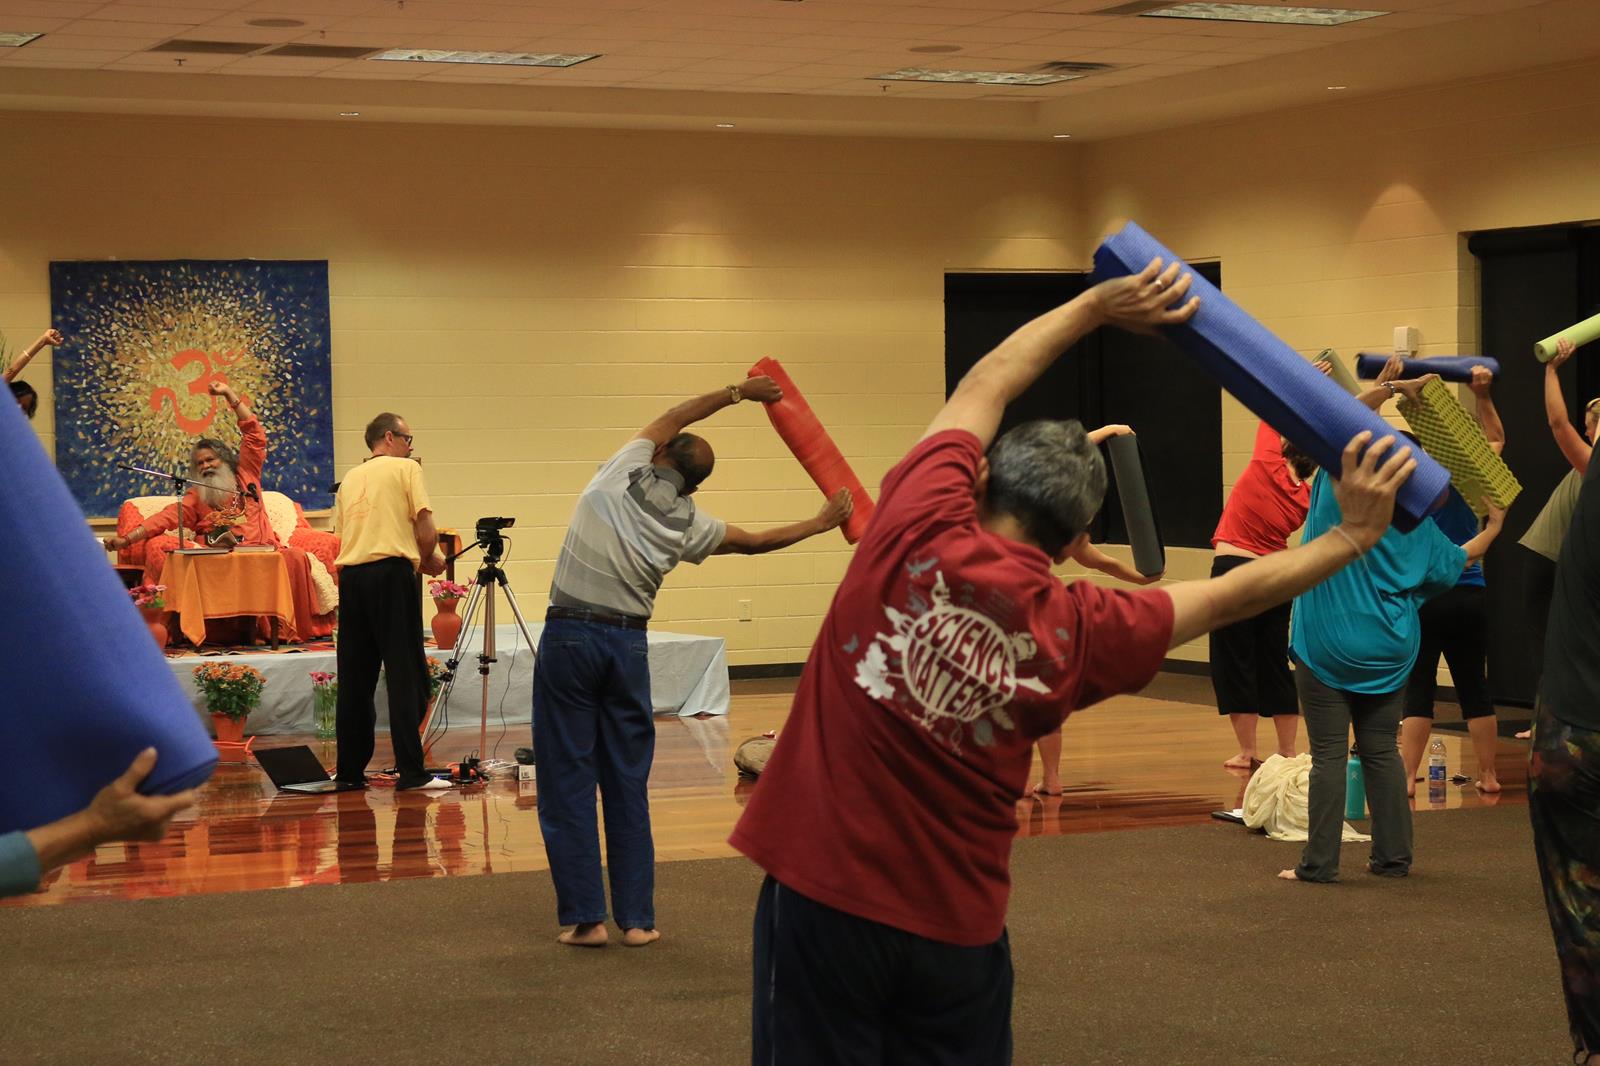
(1341, 372)
(1579, 335)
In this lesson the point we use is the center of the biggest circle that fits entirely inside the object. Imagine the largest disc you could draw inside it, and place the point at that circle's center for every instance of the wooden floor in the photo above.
(1131, 763)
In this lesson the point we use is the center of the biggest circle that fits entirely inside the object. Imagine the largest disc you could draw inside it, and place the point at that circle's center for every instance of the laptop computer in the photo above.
(298, 769)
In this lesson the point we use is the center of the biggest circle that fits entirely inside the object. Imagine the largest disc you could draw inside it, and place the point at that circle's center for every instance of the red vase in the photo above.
(156, 619)
(230, 732)
(446, 624)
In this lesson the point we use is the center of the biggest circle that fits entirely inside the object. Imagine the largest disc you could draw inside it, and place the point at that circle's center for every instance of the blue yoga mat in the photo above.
(83, 688)
(1270, 378)
(1448, 367)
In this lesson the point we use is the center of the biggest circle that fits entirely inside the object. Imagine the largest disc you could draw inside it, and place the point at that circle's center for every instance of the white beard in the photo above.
(221, 486)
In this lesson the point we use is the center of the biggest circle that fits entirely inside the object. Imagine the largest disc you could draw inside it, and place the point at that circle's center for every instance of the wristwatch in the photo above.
(734, 395)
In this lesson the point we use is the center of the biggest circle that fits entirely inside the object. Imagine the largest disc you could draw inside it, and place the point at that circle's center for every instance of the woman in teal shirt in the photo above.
(1354, 639)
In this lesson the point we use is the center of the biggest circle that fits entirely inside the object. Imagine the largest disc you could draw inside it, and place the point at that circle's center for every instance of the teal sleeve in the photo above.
(19, 864)
(1446, 562)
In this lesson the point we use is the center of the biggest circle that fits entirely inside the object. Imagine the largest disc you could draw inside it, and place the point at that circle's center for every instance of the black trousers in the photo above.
(1250, 659)
(1456, 625)
(379, 604)
(834, 988)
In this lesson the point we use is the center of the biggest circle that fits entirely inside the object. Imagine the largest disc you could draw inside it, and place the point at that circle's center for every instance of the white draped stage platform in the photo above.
(688, 676)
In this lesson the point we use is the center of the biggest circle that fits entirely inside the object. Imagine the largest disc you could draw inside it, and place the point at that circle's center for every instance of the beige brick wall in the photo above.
(529, 298)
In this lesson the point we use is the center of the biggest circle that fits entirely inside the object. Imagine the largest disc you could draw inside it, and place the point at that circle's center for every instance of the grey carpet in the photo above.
(1170, 945)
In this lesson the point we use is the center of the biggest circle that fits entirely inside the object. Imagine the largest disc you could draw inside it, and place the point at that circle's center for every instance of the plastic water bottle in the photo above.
(1355, 788)
(1436, 778)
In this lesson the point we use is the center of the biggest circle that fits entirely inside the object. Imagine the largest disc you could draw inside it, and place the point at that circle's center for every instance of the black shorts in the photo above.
(1250, 659)
(1456, 625)
(834, 988)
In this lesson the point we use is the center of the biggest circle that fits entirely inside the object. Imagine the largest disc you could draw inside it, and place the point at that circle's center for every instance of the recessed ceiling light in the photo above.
(1061, 136)
(17, 40)
(1336, 88)
(349, 114)
(1286, 16)
(724, 125)
(973, 77)
(936, 49)
(275, 24)
(503, 59)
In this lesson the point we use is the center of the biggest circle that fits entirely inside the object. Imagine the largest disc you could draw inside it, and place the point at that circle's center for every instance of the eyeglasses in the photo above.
(404, 436)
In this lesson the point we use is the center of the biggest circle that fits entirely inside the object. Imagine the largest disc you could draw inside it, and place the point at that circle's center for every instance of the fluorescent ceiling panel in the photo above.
(503, 59)
(973, 77)
(1283, 16)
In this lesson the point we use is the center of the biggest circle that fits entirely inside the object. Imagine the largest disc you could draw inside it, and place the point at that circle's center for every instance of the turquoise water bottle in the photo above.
(1355, 788)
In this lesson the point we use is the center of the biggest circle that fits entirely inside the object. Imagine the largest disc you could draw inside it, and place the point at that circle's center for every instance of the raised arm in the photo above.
(1366, 489)
(1383, 388)
(1105, 433)
(1138, 302)
(51, 337)
(736, 541)
(1086, 554)
(689, 412)
(1478, 546)
(1568, 439)
(1494, 430)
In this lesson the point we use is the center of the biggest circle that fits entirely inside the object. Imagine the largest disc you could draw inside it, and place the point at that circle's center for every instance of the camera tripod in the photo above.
(490, 575)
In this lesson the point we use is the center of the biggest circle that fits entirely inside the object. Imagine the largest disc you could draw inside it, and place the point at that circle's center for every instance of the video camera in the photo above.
(489, 537)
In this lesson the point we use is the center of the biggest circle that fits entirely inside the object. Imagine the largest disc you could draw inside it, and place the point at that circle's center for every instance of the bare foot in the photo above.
(638, 938)
(1289, 754)
(1043, 789)
(1411, 790)
(1241, 761)
(1488, 783)
(1525, 734)
(1288, 875)
(588, 935)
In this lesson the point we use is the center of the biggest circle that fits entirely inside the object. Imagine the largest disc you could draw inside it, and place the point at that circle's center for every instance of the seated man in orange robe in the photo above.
(229, 504)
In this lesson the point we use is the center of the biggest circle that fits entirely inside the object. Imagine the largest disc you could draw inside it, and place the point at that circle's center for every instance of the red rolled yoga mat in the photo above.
(795, 422)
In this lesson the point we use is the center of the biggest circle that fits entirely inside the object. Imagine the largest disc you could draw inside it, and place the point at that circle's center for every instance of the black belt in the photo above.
(605, 618)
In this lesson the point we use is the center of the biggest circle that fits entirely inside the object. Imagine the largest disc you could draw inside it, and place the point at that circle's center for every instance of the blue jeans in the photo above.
(592, 725)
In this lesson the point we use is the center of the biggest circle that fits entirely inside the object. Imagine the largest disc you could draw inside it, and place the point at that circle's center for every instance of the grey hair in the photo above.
(225, 453)
(1050, 478)
(382, 426)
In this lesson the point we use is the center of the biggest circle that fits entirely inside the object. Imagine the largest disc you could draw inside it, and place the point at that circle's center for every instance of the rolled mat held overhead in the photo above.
(1580, 334)
(1448, 367)
(1341, 372)
(1271, 378)
(800, 429)
(1454, 438)
(1138, 511)
(83, 688)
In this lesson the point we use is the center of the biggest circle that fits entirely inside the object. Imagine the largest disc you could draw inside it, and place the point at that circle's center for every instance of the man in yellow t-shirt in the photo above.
(387, 534)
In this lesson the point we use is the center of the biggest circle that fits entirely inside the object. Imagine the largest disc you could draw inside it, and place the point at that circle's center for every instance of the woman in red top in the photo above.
(1250, 659)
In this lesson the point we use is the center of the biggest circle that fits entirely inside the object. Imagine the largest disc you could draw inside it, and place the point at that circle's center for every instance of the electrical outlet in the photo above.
(746, 612)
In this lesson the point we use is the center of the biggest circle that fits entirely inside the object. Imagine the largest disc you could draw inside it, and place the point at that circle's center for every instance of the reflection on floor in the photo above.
(1131, 763)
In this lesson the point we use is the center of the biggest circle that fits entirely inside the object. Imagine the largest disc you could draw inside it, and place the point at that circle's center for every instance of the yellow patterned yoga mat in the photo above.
(1455, 439)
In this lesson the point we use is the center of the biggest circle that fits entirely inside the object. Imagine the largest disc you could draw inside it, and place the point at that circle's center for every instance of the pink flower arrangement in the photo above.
(448, 590)
(323, 679)
(148, 597)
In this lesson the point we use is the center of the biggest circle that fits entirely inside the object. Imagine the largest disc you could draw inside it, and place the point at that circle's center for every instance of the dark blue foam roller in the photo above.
(1448, 367)
(1138, 511)
(83, 688)
(1270, 378)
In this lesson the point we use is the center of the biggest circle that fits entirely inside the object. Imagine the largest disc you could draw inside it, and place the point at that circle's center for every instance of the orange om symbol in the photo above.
(199, 385)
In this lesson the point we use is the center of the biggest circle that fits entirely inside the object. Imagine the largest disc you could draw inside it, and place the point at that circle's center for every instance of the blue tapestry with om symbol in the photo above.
(144, 341)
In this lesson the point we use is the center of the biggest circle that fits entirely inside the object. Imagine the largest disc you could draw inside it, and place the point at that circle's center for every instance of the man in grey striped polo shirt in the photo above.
(592, 721)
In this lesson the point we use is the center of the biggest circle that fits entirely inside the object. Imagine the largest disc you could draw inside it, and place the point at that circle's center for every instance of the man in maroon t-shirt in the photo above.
(885, 816)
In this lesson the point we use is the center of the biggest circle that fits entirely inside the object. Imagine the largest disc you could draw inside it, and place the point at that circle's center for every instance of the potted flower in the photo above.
(153, 605)
(446, 623)
(325, 702)
(231, 691)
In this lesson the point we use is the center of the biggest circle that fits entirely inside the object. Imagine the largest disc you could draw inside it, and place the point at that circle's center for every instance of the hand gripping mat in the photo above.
(1341, 373)
(1144, 533)
(1579, 335)
(1448, 367)
(795, 422)
(83, 688)
(1454, 438)
(1270, 378)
